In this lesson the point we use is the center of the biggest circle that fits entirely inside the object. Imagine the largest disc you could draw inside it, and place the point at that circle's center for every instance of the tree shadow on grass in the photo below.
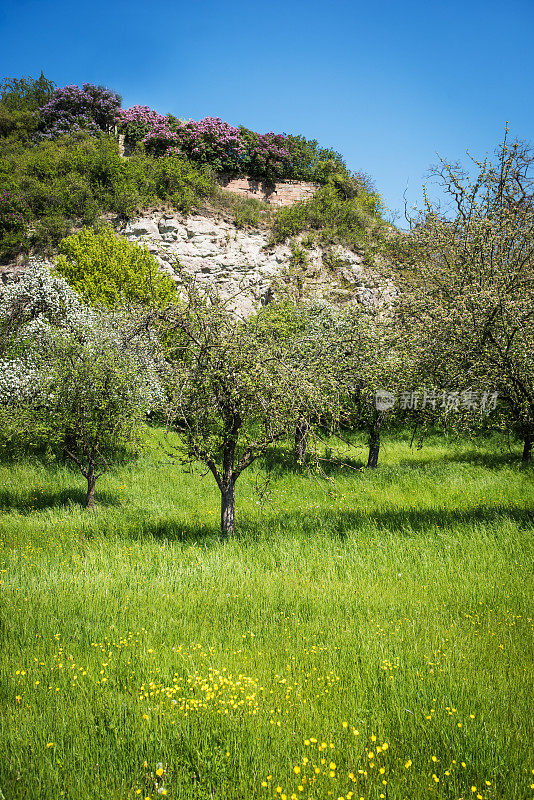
(490, 460)
(429, 520)
(172, 529)
(279, 462)
(40, 499)
(341, 523)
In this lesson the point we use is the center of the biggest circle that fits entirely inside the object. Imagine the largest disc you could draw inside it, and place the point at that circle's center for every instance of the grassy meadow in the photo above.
(370, 636)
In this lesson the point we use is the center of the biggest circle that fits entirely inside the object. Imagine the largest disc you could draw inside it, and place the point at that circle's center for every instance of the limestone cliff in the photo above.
(246, 269)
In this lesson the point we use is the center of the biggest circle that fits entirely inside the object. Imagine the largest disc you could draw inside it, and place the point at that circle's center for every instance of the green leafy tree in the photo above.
(96, 402)
(73, 379)
(236, 386)
(469, 305)
(381, 370)
(106, 269)
(20, 99)
(362, 350)
(310, 162)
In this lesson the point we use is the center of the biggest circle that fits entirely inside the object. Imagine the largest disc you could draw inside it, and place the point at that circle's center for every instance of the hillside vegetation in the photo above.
(60, 168)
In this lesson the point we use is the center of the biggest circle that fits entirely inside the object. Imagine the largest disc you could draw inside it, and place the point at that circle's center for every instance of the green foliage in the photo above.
(13, 216)
(309, 162)
(97, 405)
(298, 258)
(248, 213)
(245, 211)
(26, 94)
(108, 270)
(20, 99)
(235, 387)
(335, 218)
(76, 179)
(171, 179)
(74, 381)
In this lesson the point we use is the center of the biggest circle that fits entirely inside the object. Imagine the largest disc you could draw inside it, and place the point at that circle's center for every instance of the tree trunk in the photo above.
(69, 445)
(91, 482)
(374, 441)
(301, 440)
(527, 449)
(228, 508)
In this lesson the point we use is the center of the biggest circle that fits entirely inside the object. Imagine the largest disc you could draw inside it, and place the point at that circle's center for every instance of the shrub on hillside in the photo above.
(309, 162)
(76, 179)
(137, 122)
(266, 156)
(107, 270)
(228, 149)
(337, 219)
(210, 141)
(14, 213)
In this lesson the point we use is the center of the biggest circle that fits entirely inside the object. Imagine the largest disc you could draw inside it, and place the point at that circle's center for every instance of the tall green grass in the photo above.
(375, 621)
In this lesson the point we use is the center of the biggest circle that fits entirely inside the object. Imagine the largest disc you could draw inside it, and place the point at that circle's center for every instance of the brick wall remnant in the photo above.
(282, 193)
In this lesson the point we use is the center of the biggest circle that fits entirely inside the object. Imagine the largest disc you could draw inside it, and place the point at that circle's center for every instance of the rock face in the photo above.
(245, 269)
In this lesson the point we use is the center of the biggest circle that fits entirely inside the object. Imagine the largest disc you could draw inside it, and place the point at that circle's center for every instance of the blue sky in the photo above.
(388, 85)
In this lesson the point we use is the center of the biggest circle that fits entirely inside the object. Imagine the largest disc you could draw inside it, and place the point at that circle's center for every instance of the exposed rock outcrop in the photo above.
(245, 268)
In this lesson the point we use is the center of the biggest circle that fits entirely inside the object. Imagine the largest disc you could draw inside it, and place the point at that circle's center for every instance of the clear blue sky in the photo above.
(388, 85)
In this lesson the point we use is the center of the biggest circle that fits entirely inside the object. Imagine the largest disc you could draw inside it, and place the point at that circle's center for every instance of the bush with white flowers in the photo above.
(82, 379)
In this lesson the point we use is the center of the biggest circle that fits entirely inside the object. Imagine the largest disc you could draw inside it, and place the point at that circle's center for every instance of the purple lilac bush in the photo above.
(138, 121)
(267, 156)
(211, 141)
(214, 142)
(91, 109)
